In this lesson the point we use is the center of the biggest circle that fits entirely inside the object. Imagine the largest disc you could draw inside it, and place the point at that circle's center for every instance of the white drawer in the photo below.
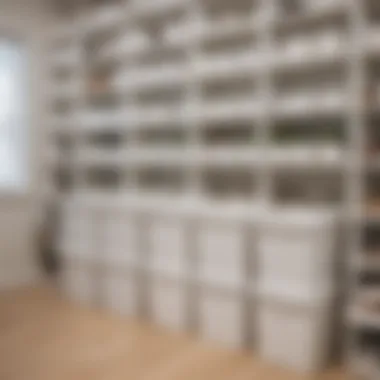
(306, 327)
(168, 236)
(77, 234)
(168, 249)
(169, 304)
(222, 318)
(222, 249)
(295, 261)
(121, 240)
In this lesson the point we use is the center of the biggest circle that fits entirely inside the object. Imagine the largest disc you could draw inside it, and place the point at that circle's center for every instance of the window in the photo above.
(13, 157)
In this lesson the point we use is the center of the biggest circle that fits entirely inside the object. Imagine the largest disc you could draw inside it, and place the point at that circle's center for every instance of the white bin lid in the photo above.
(306, 217)
(166, 204)
(295, 295)
(229, 210)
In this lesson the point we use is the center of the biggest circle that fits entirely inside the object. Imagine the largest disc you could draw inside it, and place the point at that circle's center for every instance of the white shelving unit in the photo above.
(208, 106)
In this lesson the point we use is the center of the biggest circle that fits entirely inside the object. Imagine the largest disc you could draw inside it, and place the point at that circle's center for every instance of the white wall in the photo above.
(27, 20)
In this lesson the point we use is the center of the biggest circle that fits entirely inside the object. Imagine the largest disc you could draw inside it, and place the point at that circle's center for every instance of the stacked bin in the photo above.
(121, 262)
(296, 287)
(223, 255)
(168, 262)
(78, 252)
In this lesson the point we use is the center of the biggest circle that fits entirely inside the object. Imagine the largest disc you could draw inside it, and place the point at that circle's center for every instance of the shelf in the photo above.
(159, 116)
(166, 156)
(170, 75)
(155, 8)
(63, 124)
(229, 157)
(230, 109)
(236, 64)
(312, 156)
(101, 157)
(334, 103)
(320, 13)
(216, 157)
(164, 203)
(201, 31)
(363, 318)
(372, 212)
(310, 58)
(373, 162)
(106, 120)
(222, 110)
(63, 34)
(70, 91)
(104, 18)
(66, 59)
(52, 157)
(126, 47)
(372, 41)
(369, 261)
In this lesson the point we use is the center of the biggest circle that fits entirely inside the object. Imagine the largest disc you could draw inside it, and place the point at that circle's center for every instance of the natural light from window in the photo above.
(12, 117)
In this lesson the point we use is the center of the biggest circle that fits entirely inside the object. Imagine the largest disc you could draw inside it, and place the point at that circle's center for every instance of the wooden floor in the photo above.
(45, 338)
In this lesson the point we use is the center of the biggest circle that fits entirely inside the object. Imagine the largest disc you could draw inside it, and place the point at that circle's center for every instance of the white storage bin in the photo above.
(169, 303)
(297, 249)
(121, 239)
(221, 317)
(295, 334)
(121, 293)
(77, 280)
(169, 246)
(222, 253)
(78, 232)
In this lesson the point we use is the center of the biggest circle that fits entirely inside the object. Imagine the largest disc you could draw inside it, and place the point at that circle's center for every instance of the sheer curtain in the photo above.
(13, 174)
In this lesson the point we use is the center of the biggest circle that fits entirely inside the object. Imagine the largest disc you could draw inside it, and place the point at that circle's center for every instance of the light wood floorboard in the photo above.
(43, 337)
